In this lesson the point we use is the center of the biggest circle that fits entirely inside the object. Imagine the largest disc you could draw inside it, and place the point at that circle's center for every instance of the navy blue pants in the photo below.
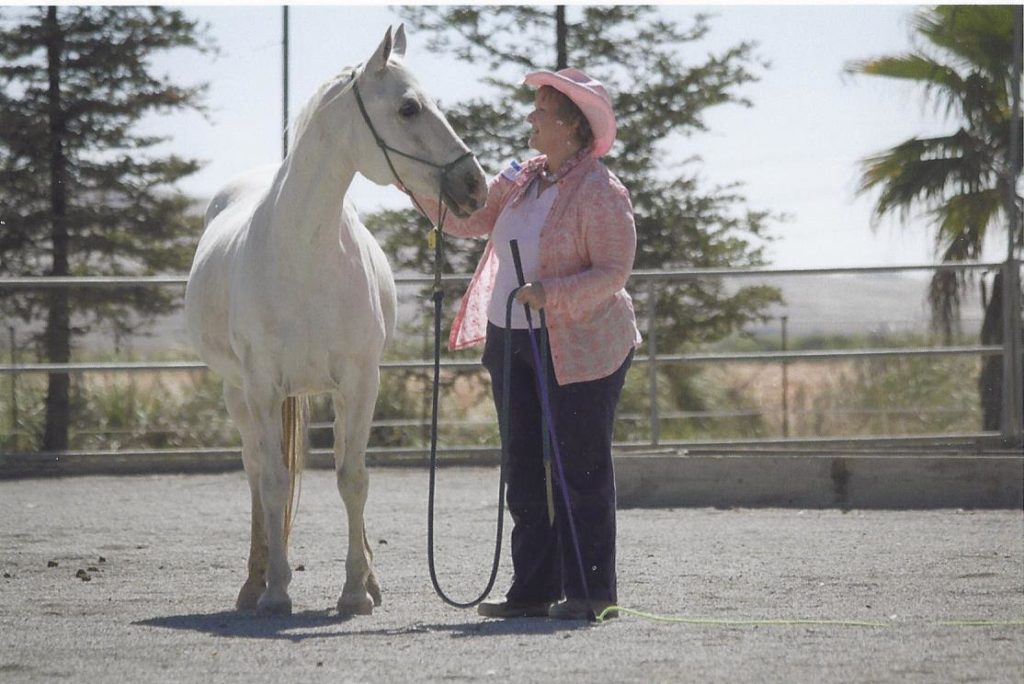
(543, 557)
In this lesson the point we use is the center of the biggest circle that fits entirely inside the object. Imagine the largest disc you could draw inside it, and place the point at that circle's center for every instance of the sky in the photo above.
(794, 152)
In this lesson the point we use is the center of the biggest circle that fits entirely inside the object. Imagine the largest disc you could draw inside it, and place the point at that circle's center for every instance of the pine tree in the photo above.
(82, 192)
(661, 86)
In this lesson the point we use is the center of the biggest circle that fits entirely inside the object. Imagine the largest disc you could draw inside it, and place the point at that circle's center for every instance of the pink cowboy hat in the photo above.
(589, 95)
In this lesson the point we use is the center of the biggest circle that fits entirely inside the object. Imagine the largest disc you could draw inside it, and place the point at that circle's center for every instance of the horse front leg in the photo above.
(255, 582)
(272, 486)
(353, 415)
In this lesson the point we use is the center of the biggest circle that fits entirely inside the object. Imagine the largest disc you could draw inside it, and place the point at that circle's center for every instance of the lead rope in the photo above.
(437, 238)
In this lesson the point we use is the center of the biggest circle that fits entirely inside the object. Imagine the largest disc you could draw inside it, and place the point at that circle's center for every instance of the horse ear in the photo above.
(382, 54)
(399, 49)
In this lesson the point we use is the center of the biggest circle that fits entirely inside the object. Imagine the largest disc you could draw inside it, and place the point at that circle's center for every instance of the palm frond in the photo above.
(980, 36)
(926, 170)
(963, 221)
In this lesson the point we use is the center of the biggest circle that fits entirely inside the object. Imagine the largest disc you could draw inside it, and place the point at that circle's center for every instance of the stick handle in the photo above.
(517, 261)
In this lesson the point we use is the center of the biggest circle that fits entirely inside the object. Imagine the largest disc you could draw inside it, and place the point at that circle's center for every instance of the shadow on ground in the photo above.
(326, 624)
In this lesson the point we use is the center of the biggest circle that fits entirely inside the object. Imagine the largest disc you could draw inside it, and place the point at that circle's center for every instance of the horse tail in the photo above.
(295, 443)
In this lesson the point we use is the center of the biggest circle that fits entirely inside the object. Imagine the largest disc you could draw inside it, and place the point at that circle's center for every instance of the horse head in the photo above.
(409, 141)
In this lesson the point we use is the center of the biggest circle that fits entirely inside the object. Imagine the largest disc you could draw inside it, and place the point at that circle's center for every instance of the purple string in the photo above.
(546, 408)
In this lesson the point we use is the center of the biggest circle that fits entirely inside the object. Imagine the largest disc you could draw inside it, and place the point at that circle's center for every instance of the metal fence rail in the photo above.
(643, 283)
(151, 366)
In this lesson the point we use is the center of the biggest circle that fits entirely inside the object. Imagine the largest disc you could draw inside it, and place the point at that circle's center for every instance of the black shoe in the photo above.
(513, 609)
(578, 609)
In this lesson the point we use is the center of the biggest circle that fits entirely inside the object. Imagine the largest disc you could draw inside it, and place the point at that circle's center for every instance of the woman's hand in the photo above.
(532, 295)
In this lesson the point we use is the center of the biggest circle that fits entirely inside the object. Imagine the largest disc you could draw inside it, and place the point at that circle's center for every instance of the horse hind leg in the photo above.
(256, 582)
(352, 416)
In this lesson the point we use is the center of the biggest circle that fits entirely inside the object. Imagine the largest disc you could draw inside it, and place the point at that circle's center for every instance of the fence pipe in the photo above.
(149, 366)
(43, 282)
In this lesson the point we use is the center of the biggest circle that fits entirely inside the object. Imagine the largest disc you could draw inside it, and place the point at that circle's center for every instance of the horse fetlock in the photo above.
(373, 588)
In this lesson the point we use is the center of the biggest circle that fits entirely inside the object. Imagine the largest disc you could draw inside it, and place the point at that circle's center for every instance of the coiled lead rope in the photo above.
(438, 243)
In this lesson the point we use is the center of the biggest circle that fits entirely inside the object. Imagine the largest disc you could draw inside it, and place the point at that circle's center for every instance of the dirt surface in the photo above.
(162, 558)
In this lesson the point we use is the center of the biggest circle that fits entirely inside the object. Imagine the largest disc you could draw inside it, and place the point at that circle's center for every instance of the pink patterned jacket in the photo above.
(587, 245)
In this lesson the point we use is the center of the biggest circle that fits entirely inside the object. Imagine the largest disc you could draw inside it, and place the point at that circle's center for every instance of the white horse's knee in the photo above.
(353, 484)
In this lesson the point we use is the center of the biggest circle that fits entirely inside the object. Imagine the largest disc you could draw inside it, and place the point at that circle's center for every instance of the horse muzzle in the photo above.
(464, 187)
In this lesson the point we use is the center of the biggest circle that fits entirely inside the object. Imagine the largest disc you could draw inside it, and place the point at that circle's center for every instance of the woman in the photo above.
(573, 222)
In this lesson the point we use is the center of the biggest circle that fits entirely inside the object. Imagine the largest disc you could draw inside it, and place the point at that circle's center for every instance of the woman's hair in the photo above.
(568, 111)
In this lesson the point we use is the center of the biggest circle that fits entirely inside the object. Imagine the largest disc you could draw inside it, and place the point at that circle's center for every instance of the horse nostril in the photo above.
(471, 184)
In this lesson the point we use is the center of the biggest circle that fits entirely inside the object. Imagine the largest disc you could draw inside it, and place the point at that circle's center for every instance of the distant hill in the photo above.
(862, 303)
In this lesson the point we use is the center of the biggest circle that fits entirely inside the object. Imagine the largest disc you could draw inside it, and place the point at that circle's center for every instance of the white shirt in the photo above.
(523, 223)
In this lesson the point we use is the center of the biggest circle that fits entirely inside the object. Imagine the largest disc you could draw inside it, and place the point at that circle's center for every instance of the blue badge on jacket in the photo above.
(513, 171)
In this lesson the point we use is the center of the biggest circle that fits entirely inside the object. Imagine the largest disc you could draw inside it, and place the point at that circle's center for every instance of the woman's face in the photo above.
(549, 134)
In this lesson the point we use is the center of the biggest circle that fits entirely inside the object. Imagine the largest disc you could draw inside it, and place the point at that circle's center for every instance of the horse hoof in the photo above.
(355, 605)
(249, 596)
(272, 606)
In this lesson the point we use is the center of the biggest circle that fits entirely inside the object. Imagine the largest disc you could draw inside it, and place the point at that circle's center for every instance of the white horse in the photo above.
(290, 296)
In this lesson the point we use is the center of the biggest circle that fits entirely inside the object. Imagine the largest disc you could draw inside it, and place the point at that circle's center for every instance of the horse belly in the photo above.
(306, 337)
(328, 351)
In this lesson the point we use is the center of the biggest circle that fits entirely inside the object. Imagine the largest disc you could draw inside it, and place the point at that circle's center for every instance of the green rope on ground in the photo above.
(790, 622)
(735, 623)
(982, 623)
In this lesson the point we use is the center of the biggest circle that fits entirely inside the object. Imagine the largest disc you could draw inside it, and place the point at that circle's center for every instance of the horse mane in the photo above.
(306, 115)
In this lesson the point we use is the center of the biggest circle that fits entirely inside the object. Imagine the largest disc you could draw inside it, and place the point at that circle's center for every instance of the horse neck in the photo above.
(304, 205)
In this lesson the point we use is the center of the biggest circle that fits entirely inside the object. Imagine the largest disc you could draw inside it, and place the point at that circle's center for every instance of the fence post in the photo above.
(14, 390)
(652, 360)
(1013, 412)
(284, 81)
(785, 382)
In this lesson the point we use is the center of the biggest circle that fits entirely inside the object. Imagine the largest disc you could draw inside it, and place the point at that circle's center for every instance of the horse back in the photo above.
(247, 186)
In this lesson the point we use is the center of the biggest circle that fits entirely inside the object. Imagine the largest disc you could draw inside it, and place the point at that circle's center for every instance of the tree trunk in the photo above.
(561, 31)
(57, 340)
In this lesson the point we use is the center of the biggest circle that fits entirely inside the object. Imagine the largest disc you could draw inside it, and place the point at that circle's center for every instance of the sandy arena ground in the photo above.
(165, 556)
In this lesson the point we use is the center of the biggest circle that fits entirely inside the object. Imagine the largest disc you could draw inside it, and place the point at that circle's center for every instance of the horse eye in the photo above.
(410, 108)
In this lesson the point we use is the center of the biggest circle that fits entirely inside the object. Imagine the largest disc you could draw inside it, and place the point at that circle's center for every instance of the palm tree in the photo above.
(965, 181)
